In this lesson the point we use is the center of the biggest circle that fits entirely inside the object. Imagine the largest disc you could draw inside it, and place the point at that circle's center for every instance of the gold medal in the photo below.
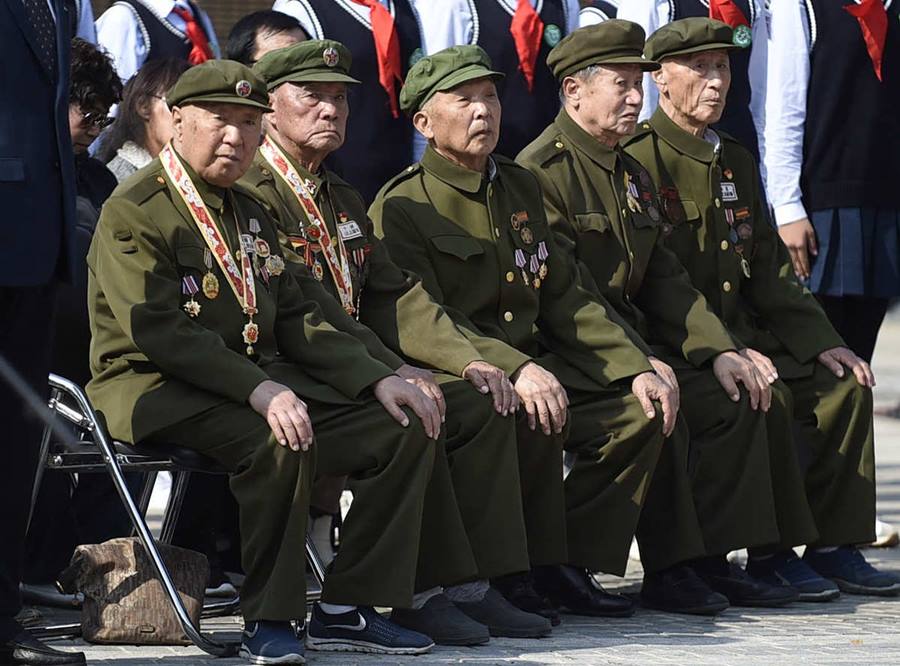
(633, 204)
(542, 272)
(250, 335)
(536, 283)
(192, 308)
(527, 236)
(210, 285)
(317, 270)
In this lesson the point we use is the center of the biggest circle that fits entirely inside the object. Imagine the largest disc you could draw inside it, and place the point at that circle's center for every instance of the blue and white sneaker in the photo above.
(847, 567)
(271, 643)
(362, 630)
(787, 569)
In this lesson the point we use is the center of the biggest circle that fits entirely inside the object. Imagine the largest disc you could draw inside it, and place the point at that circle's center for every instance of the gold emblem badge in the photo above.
(243, 88)
(527, 236)
(210, 286)
(331, 56)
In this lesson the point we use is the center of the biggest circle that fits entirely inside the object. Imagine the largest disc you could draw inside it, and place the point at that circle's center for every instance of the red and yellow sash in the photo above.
(240, 279)
(332, 246)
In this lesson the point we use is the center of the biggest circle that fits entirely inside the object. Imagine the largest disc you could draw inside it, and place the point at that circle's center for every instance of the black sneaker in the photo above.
(847, 567)
(443, 622)
(362, 630)
(679, 589)
(503, 619)
(573, 590)
(271, 643)
(785, 568)
(518, 589)
(740, 587)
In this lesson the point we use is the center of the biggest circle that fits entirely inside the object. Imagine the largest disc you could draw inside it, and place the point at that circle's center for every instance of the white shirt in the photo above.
(594, 15)
(789, 45)
(448, 23)
(654, 14)
(120, 34)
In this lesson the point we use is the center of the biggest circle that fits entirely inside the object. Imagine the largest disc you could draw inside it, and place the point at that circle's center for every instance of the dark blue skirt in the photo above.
(859, 252)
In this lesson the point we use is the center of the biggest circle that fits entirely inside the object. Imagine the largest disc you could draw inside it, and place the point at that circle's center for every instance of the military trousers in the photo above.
(730, 469)
(822, 427)
(480, 533)
(389, 467)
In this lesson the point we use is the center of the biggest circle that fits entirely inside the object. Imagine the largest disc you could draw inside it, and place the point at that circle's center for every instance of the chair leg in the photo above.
(318, 571)
(109, 456)
(180, 481)
(147, 492)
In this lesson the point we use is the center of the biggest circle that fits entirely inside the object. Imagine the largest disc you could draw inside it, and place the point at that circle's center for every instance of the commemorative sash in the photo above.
(240, 279)
(332, 247)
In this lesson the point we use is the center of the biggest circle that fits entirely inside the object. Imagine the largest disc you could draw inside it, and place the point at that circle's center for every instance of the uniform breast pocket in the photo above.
(598, 222)
(460, 247)
(191, 257)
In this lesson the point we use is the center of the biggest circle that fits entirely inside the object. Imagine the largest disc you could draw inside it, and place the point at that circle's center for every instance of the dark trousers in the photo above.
(26, 319)
(857, 319)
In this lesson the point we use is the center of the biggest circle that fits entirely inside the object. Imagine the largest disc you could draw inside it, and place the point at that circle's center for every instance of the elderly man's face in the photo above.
(311, 115)
(697, 84)
(218, 141)
(463, 122)
(608, 102)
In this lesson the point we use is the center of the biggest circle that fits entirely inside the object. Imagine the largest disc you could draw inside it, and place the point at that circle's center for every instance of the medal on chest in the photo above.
(532, 266)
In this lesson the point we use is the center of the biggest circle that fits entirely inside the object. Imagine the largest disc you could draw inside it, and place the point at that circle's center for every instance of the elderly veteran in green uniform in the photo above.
(710, 186)
(362, 291)
(472, 225)
(201, 339)
(603, 207)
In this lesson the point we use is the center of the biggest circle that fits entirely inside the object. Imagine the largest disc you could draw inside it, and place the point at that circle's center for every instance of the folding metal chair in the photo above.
(91, 450)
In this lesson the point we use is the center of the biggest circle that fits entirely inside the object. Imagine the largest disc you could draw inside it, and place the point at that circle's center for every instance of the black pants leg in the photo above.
(857, 319)
(26, 319)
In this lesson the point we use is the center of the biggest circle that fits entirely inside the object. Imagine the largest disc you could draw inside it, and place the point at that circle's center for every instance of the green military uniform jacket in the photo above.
(396, 315)
(721, 233)
(603, 208)
(467, 236)
(153, 365)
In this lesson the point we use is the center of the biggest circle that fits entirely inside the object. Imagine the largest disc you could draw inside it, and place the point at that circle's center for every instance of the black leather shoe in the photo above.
(679, 589)
(573, 591)
(518, 589)
(744, 590)
(24, 648)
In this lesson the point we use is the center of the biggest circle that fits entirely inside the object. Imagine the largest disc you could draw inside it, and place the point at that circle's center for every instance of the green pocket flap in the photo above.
(459, 246)
(691, 210)
(592, 222)
(191, 256)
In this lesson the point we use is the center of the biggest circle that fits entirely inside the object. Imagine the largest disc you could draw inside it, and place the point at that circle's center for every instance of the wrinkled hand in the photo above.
(731, 369)
(667, 374)
(762, 363)
(425, 382)
(284, 412)
(835, 359)
(800, 239)
(648, 387)
(491, 379)
(544, 398)
(393, 393)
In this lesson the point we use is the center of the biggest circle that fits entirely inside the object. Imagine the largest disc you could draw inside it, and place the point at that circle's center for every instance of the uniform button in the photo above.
(726, 286)
(724, 245)
(559, 144)
(508, 316)
(718, 202)
(510, 276)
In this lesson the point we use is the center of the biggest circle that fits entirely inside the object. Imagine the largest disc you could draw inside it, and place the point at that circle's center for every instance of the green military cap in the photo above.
(224, 81)
(693, 35)
(614, 42)
(323, 60)
(442, 71)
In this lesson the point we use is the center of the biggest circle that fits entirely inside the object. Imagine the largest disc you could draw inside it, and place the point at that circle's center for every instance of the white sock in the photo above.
(421, 598)
(335, 609)
(468, 592)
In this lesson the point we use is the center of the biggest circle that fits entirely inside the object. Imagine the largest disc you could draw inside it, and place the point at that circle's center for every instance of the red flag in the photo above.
(527, 29)
(387, 49)
(873, 22)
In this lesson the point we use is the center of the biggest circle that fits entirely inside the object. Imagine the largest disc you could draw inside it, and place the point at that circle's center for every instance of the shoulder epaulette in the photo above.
(642, 130)
(257, 174)
(142, 185)
(550, 149)
(404, 175)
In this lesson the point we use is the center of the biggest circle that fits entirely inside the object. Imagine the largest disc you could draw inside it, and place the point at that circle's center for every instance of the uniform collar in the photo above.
(455, 175)
(684, 142)
(213, 196)
(601, 154)
(317, 179)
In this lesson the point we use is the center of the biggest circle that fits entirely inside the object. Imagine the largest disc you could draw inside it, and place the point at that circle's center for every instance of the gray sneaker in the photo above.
(504, 619)
(443, 622)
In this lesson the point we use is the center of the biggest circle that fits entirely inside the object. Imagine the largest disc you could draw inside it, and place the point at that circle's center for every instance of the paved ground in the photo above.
(854, 630)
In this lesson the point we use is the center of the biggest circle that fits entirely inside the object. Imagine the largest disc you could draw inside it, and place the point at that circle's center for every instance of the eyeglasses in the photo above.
(97, 118)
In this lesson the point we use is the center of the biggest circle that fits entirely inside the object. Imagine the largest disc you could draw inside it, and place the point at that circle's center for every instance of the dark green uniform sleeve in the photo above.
(142, 289)
(785, 307)
(403, 240)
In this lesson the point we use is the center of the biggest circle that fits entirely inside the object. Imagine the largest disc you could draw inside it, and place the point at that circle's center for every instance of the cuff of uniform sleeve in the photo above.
(701, 357)
(241, 384)
(618, 371)
(364, 378)
(789, 212)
